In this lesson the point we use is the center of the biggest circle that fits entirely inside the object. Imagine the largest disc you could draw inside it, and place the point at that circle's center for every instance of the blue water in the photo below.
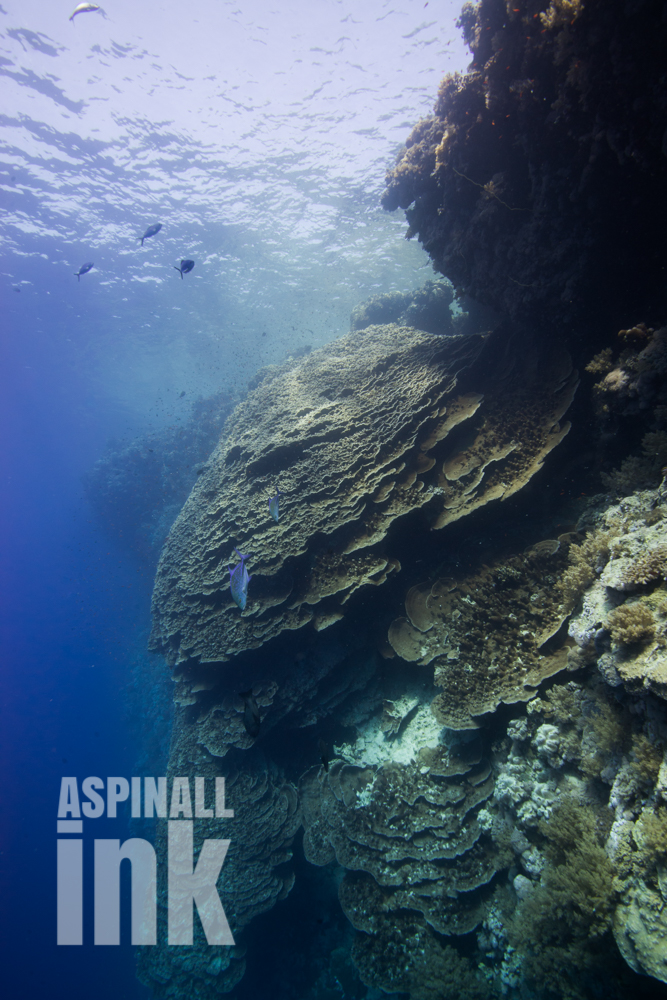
(258, 135)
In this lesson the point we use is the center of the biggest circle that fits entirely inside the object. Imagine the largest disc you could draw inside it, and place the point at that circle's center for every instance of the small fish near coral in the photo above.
(84, 269)
(273, 506)
(151, 231)
(185, 268)
(239, 578)
(84, 8)
(251, 719)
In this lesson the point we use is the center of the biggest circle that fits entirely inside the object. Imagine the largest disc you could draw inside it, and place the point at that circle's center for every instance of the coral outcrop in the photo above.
(624, 609)
(538, 182)
(377, 426)
(417, 861)
(426, 309)
(489, 637)
(490, 797)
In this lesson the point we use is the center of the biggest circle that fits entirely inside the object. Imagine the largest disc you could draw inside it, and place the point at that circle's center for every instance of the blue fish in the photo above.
(185, 268)
(273, 506)
(84, 269)
(239, 578)
(151, 231)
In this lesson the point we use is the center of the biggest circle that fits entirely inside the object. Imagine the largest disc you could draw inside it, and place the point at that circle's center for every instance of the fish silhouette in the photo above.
(239, 579)
(273, 506)
(185, 268)
(151, 231)
(251, 719)
(84, 269)
(84, 8)
(324, 754)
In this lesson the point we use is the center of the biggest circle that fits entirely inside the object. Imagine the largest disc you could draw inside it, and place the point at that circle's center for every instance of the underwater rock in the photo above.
(428, 308)
(358, 435)
(537, 186)
(489, 637)
(290, 693)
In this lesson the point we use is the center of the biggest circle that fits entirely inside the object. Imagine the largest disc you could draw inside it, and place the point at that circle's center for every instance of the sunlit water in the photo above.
(258, 137)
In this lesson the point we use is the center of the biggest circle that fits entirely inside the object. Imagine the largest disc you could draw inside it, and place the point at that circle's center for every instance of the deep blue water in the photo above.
(74, 610)
(259, 138)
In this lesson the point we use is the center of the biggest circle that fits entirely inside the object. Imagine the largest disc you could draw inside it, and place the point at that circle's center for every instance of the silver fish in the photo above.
(85, 8)
(273, 506)
(239, 579)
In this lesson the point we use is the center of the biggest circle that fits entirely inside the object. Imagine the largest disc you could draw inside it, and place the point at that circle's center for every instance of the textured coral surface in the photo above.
(357, 435)
(473, 733)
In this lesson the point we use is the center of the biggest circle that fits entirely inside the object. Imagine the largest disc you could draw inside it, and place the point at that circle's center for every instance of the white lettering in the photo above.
(155, 798)
(68, 804)
(180, 799)
(201, 812)
(136, 798)
(108, 857)
(186, 887)
(95, 808)
(220, 811)
(70, 892)
(118, 789)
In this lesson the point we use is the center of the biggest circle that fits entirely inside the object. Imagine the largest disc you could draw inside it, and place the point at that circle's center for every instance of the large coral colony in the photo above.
(452, 646)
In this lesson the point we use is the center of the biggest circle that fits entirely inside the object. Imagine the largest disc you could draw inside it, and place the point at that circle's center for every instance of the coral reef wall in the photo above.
(453, 657)
(538, 185)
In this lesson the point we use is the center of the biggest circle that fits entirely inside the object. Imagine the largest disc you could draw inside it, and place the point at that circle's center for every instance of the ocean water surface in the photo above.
(258, 136)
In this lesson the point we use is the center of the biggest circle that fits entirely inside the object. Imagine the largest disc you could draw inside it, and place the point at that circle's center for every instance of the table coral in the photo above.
(413, 851)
